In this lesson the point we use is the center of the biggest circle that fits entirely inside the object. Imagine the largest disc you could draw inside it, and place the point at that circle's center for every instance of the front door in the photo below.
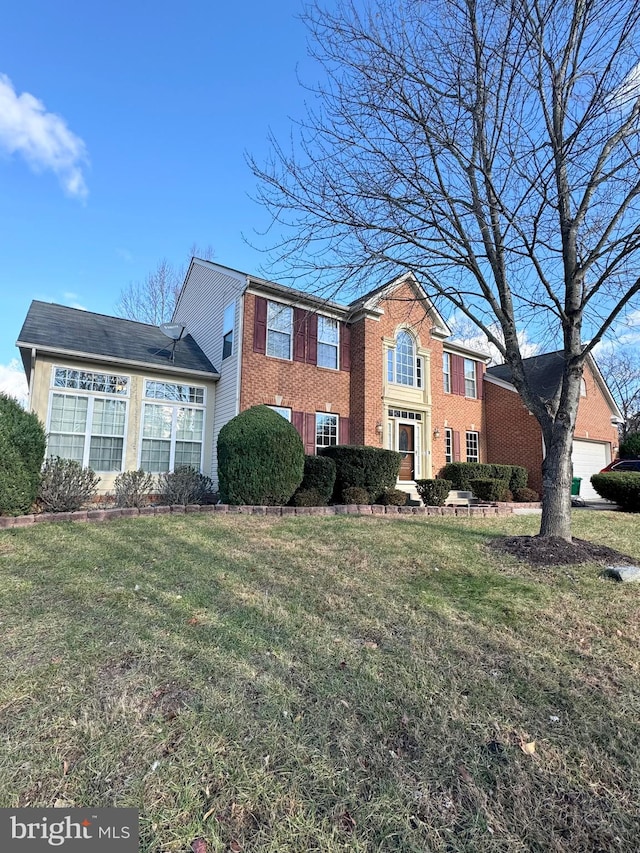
(406, 447)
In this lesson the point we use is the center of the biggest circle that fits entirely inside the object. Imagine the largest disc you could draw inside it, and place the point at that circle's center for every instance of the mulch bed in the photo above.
(552, 551)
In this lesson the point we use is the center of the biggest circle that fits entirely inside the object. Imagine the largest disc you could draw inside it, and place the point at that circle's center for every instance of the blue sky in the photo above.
(123, 128)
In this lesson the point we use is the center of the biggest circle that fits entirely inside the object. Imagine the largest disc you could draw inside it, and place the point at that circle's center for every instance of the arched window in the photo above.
(403, 367)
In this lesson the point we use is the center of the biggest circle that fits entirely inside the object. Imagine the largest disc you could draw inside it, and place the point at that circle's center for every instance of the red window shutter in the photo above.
(299, 333)
(260, 326)
(345, 350)
(456, 446)
(344, 431)
(297, 419)
(457, 375)
(312, 343)
(309, 437)
(479, 379)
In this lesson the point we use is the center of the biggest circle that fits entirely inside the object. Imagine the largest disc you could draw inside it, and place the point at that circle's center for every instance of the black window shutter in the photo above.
(260, 326)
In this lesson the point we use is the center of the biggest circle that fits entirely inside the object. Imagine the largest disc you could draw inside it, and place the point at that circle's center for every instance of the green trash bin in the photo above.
(575, 485)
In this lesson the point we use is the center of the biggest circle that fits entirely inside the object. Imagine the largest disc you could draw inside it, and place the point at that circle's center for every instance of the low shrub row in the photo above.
(621, 487)
(462, 473)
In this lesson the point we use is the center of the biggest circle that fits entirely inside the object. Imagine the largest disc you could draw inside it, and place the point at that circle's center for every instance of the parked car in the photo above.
(622, 465)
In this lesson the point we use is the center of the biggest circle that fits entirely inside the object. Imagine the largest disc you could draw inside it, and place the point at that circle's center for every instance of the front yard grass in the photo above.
(323, 684)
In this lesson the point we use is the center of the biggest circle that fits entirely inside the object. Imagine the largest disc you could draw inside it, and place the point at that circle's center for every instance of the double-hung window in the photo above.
(283, 411)
(448, 445)
(328, 342)
(87, 420)
(469, 378)
(172, 431)
(403, 366)
(326, 430)
(472, 447)
(446, 372)
(279, 330)
(228, 323)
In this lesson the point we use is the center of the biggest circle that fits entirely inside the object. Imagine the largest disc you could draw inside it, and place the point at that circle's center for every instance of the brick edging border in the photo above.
(93, 515)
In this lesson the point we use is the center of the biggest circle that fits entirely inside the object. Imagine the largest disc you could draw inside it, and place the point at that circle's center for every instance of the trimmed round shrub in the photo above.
(355, 495)
(307, 497)
(393, 497)
(65, 485)
(434, 492)
(490, 489)
(621, 487)
(630, 447)
(185, 485)
(525, 495)
(319, 477)
(132, 488)
(24, 432)
(369, 468)
(260, 459)
(15, 482)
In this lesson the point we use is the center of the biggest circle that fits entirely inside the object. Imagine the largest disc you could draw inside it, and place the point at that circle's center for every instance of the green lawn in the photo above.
(323, 684)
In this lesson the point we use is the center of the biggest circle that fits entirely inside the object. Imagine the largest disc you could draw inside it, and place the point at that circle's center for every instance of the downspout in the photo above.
(31, 375)
(240, 345)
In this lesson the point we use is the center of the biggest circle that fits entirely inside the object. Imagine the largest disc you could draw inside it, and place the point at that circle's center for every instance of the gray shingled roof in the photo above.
(544, 373)
(58, 327)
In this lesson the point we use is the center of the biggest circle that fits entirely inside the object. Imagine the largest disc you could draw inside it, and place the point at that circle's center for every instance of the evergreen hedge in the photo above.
(23, 432)
(369, 468)
(621, 487)
(630, 447)
(490, 489)
(319, 478)
(260, 458)
(462, 473)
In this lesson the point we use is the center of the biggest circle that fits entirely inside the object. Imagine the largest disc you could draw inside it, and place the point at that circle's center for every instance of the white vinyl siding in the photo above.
(212, 285)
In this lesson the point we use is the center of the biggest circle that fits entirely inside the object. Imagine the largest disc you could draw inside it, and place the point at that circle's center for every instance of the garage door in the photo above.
(588, 458)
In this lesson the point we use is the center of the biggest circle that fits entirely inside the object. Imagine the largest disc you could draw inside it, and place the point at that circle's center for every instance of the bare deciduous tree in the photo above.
(154, 299)
(493, 149)
(621, 368)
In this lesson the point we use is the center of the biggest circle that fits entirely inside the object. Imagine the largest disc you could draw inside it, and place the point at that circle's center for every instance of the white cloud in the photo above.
(465, 333)
(41, 138)
(13, 381)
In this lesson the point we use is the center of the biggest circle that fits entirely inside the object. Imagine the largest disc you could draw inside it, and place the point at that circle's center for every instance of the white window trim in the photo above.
(473, 396)
(91, 397)
(446, 357)
(226, 329)
(266, 343)
(280, 409)
(64, 390)
(448, 434)
(336, 346)
(477, 435)
(327, 415)
(176, 404)
(418, 363)
(174, 432)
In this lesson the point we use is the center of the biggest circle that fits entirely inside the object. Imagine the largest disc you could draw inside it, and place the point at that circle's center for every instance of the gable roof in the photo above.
(99, 337)
(371, 300)
(544, 373)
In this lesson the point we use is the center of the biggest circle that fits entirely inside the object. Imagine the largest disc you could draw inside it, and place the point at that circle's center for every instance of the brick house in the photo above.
(514, 435)
(379, 371)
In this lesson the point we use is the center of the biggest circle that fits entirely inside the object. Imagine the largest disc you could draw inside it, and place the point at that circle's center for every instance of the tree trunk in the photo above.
(556, 482)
